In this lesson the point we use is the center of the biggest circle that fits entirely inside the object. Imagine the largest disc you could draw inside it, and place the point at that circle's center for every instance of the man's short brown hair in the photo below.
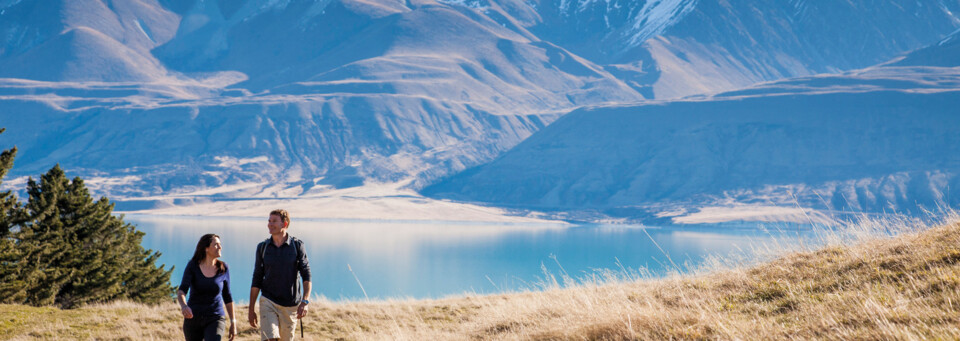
(283, 215)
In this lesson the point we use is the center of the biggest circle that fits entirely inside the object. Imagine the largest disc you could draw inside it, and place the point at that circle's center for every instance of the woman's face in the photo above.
(213, 251)
(275, 225)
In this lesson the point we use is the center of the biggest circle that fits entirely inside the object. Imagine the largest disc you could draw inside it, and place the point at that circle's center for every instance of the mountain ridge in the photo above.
(296, 96)
(866, 141)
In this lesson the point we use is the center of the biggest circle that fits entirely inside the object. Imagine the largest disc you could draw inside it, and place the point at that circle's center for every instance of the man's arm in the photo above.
(257, 280)
(304, 268)
(302, 310)
(252, 311)
(255, 286)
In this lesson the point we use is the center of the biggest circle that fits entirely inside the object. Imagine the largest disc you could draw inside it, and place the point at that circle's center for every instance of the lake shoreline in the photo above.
(437, 259)
(903, 287)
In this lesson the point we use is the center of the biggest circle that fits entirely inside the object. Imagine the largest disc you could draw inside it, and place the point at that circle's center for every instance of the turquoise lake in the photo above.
(380, 259)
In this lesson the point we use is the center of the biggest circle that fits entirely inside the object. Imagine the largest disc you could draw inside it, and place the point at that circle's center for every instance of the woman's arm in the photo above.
(184, 308)
(230, 313)
(233, 321)
(228, 300)
(185, 284)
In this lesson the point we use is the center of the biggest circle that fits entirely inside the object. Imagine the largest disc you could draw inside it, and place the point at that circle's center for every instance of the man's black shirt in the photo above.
(276, 272)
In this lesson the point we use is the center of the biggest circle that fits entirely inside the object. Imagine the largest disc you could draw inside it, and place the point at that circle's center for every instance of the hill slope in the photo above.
(83, 40)
(900, 288)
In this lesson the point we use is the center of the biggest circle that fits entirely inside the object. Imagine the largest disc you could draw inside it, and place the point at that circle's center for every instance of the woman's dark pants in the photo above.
(204, 328)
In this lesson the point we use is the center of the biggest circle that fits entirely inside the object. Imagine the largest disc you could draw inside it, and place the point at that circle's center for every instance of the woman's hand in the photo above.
(182, 299)
(233, 330)
(187, 313)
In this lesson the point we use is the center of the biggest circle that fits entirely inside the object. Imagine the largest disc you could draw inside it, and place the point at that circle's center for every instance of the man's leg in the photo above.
(269, 320)
(288, 322)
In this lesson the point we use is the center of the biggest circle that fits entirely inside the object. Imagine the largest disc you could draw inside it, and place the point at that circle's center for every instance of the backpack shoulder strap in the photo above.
(298, 245)
(262, 249)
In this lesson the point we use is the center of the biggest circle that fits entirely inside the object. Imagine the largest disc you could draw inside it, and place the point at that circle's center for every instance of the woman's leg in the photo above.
(214, 328)
(192, 330)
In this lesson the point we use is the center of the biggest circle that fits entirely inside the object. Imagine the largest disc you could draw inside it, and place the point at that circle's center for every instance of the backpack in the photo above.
(262, 249)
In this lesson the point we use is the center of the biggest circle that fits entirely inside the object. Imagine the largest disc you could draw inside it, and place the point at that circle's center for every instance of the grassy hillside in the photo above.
(906, 287)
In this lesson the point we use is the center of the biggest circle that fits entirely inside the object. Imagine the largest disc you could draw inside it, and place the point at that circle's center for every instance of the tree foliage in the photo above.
(9, 209)
(8, 203)
(65, 248)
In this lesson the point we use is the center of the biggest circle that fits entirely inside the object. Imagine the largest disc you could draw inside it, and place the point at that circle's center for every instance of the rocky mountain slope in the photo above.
(876, 140)
(296, 97)
(418, 102)
(675, 48)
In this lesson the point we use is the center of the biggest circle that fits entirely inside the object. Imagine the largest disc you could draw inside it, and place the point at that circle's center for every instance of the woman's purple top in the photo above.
(209, 293)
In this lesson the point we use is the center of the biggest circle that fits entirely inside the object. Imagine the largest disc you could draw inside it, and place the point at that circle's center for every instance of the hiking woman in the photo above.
(209, 277)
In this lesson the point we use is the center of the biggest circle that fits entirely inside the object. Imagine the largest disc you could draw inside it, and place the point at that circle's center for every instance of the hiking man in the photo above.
(280, 260)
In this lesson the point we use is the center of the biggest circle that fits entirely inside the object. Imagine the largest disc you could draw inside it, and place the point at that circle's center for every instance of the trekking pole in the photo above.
(301, 327)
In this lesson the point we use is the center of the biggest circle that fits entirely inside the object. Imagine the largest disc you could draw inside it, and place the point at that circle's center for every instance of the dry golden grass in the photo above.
(901, 288)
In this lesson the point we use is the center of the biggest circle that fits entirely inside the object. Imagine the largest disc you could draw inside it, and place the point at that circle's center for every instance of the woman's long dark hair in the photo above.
(201, 252)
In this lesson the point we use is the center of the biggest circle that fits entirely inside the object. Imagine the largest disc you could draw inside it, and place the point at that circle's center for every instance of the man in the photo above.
(280, 260)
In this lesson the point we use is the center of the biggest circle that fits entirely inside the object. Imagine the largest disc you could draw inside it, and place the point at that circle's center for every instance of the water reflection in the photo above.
(435, 259)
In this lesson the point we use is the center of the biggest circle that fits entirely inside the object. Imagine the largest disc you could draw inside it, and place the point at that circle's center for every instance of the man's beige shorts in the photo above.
(276, 321)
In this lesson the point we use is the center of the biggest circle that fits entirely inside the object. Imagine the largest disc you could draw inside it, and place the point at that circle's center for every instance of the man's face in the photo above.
(275, 224)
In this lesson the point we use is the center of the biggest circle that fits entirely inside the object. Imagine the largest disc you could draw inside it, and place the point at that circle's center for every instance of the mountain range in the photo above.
(880, 139)
(293, 98)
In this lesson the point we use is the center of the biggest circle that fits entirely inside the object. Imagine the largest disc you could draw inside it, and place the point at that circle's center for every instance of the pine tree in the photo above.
(9, 214)
(76, 251)
(64, 248)
(44, 241)
(8, 203)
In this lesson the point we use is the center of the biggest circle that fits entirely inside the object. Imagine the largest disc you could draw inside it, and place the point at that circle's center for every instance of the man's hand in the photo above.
(252, 312)
(302, 310)
(252, 317)
(187, 312)
(233, 331)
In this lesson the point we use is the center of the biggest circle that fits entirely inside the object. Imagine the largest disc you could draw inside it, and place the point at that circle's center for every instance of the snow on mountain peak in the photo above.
(953, 37)
(8, 3)
(475, 4)
(800, 8)
(656, 16)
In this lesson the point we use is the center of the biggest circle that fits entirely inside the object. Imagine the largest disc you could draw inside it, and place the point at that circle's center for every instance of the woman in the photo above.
(209, 278)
